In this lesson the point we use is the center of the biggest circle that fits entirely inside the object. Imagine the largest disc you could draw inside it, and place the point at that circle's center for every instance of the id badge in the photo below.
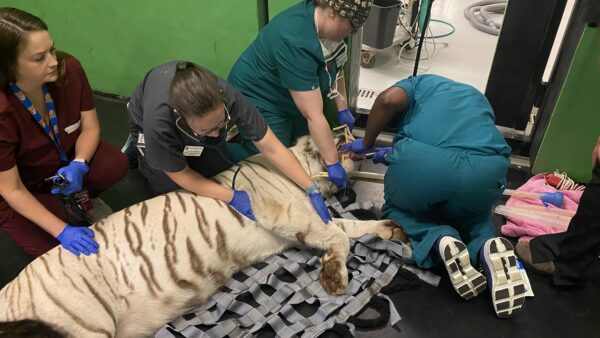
(194, 151)
(82, 198)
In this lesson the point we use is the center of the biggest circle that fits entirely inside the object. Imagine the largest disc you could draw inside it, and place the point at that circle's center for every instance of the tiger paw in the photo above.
(333, 275)
(395, 232)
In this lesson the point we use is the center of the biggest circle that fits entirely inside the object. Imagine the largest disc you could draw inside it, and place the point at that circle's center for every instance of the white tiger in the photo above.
(164, 256)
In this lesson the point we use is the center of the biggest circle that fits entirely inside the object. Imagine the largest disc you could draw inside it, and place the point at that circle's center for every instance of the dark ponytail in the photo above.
(194, 90)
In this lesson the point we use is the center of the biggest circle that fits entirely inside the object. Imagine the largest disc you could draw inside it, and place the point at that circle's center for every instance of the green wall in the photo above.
(276, 6)
(118, 41)
(575, 124)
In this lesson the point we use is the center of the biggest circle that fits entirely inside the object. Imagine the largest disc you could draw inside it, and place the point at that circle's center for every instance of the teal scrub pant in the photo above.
(287, 129)
(433, 192)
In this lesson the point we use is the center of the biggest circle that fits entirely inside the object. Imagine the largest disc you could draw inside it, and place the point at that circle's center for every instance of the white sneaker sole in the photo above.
(507, 286)
(467, 281)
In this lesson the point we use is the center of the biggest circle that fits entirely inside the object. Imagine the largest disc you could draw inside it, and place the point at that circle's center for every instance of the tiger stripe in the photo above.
(124, 299)
(124, 274)
(60, 259)
(45, 262)
(201, 222)
(114, 268)
(219, 180)
(98, 229)
(182, 283)
(148, 283)
(171, 258)
(181, 201)
(144, 212)
(73, 283)
(195, 260)
(170, 253)
(300, 236)
(28, 277)
(85, 263)
(117, 251)
(101, 300)
(168, 238)
(258, 193)
(282, 181)
(222, 249)
(11, 292)
(138, 250)
(217, 276)
(238, 216)
(167, 202)
(262, 177)
(72, 315)
(19, 294)
(251, 183)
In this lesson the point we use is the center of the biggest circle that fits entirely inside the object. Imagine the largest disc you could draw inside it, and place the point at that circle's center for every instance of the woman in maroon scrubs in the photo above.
(48, 127)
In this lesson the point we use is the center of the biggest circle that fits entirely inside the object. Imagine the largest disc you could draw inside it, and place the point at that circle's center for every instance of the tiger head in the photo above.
(307, 153)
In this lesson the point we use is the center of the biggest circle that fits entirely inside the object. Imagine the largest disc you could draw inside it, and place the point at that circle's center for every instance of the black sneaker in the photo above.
(506, 283)
(467, 281)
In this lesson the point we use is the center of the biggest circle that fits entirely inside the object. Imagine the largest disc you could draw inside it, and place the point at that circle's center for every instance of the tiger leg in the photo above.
(296, 220)
(386, 229)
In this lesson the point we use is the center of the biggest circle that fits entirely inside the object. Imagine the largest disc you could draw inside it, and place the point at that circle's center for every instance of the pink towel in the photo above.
(527, 229)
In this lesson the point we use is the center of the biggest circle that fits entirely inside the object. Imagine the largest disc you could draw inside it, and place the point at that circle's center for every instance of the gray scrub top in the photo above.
(165, 145)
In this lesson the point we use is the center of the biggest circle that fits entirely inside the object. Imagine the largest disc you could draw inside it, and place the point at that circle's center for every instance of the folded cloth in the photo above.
(527, 228)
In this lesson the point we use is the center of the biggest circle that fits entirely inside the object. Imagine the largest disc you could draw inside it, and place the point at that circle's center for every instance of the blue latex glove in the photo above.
(345, 117)
(241, 203)
(337, 175)
(357, 146)
(78, 240)
(316, 199)
(73, 174)
(381, 154)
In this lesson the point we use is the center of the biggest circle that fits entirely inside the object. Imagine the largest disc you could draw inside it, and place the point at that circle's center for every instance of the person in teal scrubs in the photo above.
(296, 60)
(447, 167)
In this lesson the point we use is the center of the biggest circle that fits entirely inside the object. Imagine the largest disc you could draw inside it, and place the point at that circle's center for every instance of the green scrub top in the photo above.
(286, 55)
(449, 115)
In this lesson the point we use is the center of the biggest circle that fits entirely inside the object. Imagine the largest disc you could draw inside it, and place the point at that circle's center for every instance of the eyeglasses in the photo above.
(198, 137)
(222, 125)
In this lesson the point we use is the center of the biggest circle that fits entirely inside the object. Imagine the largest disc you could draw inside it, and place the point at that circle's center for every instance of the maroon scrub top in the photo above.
(23, 142)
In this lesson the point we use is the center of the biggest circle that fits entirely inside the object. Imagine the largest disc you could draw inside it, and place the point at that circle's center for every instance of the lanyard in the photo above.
(335, 58)
(54, 133)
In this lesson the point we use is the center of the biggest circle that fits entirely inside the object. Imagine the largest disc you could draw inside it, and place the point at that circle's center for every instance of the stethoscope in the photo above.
(204, 140)
(216, 145)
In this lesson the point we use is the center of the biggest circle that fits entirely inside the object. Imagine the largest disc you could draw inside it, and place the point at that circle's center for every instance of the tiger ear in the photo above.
(311, 148)
(338, 140)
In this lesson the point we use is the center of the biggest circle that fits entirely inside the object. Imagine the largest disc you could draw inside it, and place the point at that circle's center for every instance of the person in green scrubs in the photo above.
(446, 168)
(296, 60)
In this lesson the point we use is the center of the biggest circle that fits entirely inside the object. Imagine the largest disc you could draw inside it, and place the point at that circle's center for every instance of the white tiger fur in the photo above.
(161, 257)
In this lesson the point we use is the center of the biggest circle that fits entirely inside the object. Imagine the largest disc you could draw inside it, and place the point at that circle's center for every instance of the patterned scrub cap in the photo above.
(356, 11)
